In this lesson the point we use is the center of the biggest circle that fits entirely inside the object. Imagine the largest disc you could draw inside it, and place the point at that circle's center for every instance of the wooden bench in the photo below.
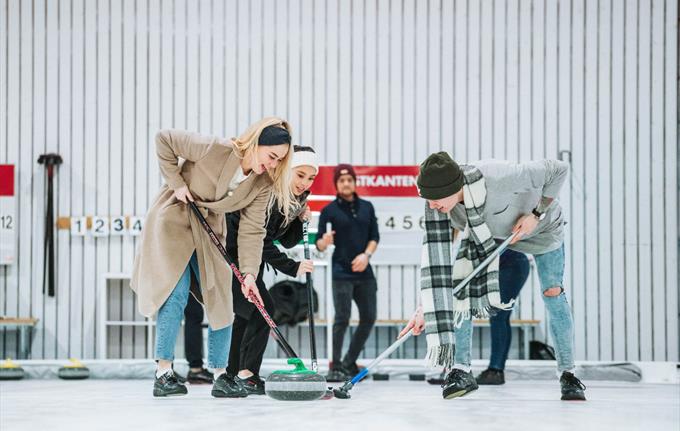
(522, 324)
(24, 325)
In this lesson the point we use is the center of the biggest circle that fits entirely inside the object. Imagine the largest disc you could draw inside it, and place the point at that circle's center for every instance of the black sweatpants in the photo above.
(364, 293)
(249, 335)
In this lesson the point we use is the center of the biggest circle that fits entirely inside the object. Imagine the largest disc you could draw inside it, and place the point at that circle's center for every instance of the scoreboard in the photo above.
(7, 215)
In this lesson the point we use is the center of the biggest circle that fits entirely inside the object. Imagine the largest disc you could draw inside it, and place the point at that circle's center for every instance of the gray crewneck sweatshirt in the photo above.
(514, 189)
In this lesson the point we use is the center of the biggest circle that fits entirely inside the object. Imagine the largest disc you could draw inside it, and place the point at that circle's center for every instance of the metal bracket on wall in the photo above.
(564, 155)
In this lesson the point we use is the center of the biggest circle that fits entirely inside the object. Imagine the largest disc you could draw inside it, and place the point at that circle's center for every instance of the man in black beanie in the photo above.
(486, 202)
(355, 235)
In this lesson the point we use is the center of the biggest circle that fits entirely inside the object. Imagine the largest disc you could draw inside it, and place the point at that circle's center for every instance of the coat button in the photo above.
(230, 193)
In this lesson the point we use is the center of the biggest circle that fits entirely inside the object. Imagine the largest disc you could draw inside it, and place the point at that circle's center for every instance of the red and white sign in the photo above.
(391, 189)
(7, 215)
(372, 181)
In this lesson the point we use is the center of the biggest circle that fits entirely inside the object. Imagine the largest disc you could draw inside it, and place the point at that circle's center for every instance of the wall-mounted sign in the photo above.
(7, 215)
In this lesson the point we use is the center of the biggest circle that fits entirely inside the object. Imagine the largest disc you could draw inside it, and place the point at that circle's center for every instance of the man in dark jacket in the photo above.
(355, 235)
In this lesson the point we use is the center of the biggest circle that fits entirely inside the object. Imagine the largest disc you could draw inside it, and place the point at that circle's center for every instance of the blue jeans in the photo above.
(513, 273)
(550, 268)
(170, 317)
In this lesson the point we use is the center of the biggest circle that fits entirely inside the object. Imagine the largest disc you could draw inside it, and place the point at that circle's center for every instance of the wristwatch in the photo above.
(369, 254)
(539, 215)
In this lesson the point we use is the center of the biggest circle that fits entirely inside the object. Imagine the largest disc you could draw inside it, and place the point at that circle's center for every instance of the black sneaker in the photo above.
(253, 384)
(352, 370)
(572, 388)
(200, 377)
(491, 377)
(438, 380)
(167, 385)
(337, 374)
(179, 378)
(458, 383)
(227, 386)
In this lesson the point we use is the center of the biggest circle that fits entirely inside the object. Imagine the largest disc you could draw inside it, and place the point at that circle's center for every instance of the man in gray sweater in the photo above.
(517, 198)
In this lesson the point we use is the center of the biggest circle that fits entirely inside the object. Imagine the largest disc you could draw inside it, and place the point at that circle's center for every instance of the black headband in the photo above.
(274, 135)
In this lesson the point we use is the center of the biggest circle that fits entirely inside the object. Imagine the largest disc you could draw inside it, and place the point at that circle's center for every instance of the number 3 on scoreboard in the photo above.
(118, 225)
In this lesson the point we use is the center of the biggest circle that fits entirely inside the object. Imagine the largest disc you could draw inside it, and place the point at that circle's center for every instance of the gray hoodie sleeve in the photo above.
(552, 173)
(546, 175)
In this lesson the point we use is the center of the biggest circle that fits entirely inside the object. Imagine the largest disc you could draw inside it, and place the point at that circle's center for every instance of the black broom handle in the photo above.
(310, 299)
(278, 336)
(49, 234)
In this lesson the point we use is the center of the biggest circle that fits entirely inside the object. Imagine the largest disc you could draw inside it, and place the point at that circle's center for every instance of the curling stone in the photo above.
(73, 371)
(11, 371)
(299, 384)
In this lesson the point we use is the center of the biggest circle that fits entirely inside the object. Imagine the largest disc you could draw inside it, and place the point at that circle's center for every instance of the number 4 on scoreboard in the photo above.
(135, 226)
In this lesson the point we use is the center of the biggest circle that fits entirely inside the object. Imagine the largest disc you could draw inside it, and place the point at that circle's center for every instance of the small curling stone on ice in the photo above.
(11, 371)
(73, 371)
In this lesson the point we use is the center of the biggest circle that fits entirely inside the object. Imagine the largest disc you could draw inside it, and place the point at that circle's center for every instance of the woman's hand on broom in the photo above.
(305, 267)
(249, 287)
(417, 323)
(183, 194)
(306, 215)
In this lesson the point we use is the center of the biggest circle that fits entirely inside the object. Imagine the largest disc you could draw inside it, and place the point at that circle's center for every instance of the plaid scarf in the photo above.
(439, 274)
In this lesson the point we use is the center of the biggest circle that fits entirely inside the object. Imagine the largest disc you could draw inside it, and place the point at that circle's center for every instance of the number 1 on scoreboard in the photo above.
(78, 226)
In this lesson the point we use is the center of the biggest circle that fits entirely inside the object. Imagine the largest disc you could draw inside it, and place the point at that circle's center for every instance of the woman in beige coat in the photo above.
(220, 176)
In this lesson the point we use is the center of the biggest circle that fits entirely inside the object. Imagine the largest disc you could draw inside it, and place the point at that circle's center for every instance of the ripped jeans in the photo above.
(550, 267)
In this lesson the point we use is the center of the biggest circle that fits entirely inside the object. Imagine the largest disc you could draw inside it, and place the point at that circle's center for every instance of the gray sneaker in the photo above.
(458, 383)
(572, 388)
(253, 384)
(491, 377)
(167, 385)
(227, 386)
(338, 374)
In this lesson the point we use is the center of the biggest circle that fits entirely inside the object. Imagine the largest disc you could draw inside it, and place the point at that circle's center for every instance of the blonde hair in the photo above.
(246, 145)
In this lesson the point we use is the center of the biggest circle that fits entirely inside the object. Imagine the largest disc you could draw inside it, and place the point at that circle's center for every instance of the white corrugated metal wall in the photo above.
(369, 82)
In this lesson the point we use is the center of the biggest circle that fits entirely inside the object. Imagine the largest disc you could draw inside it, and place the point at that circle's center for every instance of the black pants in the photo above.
(249, 336)
(363, 292)
(193, 333)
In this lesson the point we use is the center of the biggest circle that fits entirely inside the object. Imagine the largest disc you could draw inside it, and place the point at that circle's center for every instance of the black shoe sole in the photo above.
(172, 394)
(220, 394)
(573, 397)
(459, 393)
(490, 384)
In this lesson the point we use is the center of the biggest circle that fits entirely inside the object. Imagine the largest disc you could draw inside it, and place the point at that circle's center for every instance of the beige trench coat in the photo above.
(171, 231)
